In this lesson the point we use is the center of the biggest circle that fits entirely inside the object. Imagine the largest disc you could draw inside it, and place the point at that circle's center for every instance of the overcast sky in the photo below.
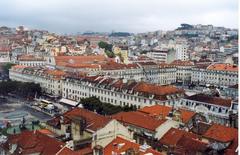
(70, 16)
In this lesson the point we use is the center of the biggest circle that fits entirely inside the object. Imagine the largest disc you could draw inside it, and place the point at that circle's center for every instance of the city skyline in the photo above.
(118, 15)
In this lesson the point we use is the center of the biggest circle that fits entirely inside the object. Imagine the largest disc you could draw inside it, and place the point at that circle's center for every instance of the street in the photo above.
(14, 109)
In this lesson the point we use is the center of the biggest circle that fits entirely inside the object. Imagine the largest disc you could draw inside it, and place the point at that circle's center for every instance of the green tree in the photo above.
(110, 54)
(105, 45)
(6, 67)
(19, 88)
(107, 48)
(94, 104)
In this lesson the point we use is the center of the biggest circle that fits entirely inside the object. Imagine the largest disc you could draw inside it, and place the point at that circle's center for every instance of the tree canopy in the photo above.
(94, 104)
(6, 67)
(107, 48)
(19, 88)
(105, 45)
(109, 54)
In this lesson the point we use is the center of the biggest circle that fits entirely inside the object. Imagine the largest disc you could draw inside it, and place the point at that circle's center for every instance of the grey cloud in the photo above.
(69, 16)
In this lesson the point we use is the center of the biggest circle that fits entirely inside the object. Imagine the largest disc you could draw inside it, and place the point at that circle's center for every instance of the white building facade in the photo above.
(181, 52)
(120, 92)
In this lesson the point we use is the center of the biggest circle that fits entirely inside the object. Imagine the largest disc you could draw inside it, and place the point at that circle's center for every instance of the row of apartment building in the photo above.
(185, 72)
(121, 91)
(57, 83)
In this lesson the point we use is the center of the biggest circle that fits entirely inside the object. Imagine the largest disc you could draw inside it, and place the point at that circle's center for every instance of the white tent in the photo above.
(68, 102)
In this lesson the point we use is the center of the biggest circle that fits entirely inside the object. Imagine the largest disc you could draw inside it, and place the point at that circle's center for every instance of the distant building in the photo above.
(158, 55)
(181, 52)
(31, 60)
(216, 74)
(120, 91)
(122, 52)
(183, 71)
(49, 80)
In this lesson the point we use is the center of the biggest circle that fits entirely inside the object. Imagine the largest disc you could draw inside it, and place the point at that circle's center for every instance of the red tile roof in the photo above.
(156, 110)
(35, 142)
(139, 119)
(173, 135)
(163, 111)
(182, 63)
(186, 115)
(30, 58)
(66, 60)
(119, 145)
(211, 100)
(223, 67)
(156, 89)
(94, 121)
(191, 145)
(117, 66)
(18, 66)
(223, 134)
(57, 73)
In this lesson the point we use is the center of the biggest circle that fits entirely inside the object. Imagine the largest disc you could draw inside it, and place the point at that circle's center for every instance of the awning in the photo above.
(68, 102)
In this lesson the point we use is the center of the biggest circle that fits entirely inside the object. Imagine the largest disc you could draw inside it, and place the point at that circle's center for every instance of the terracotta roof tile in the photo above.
(66, 60)
(58, 73)
(35, 142)
(139, 119)
(156, 90)
(186, 115)
(117, 66)
(223, 134)
(156, 110)
(94, 121)
(173, 135)
(192, 145)
(182, 63)
(161, 110)
(18, 66)
(119, 145)
(223, 67)
(211, 100)
(30, 58)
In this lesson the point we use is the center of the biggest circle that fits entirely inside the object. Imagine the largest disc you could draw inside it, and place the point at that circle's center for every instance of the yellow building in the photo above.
(122, 52)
